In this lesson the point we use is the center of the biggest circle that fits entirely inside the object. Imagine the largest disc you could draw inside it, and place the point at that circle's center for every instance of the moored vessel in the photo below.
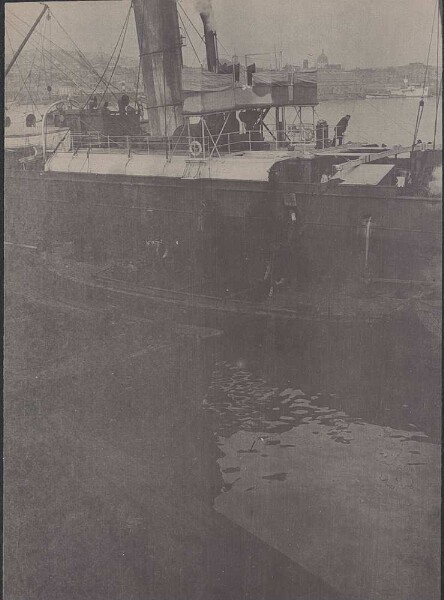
(206, 197)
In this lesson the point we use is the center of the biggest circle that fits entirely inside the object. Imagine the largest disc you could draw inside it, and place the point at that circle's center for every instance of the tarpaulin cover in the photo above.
(284, 77)
(206, 92)
(198, 80)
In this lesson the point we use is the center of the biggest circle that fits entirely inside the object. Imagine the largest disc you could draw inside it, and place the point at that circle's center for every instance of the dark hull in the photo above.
(229, 228)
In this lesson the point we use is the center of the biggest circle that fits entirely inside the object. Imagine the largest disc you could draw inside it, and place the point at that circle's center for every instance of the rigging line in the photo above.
(137, 82)
(421, 102)
(42, 61)
(120, 52)
(87, 62)
(430, 46)
(64, 70)
(386, 115)
(27, 77)
(179, 4)
(111, 57)
(21, 76)
(192, 45)
(141, 45)
(84, 60)
(438, 95)
(202, 38)
(438, 84)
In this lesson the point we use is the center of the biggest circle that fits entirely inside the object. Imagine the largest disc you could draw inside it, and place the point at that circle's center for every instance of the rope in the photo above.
(421, 102)
(201, 37)
(438, 84)
(21, 77)
(192, 45)
(387, 116)
(86, 61)
(45, 52)
(83, 59)
(137, 83)
(122, 32)
(120, 51)
(27, 77)
(438, 96)
(192, 24)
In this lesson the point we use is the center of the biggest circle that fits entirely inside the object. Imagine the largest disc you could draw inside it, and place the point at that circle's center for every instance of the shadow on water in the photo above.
(391, 380)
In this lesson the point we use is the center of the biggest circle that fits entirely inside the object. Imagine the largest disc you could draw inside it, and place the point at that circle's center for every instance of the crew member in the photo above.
(93, 105)
(105, 109)
(340, 130)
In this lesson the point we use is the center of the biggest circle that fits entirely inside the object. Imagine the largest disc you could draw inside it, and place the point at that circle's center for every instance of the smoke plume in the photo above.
(205, 8)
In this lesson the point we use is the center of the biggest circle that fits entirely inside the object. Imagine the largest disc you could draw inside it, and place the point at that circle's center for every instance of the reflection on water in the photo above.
(341, 496)
(245, 402)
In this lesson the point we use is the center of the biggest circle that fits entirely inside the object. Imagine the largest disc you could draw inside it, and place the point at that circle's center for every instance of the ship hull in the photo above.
(227, 227)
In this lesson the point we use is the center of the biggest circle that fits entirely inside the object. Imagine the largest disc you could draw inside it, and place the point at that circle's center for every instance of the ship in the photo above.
(410, 90)
(212, 193)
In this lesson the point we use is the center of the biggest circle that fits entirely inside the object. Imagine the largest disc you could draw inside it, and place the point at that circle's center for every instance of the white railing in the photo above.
(195, 146)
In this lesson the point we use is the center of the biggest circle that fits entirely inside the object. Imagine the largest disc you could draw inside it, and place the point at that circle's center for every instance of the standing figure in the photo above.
(340, 130)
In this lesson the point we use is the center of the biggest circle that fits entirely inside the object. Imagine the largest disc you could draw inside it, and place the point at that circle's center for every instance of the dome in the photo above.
(322, 60)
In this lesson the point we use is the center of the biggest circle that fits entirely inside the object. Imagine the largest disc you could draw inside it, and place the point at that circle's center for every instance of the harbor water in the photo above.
(334, 463)
(329, 454)
(383, 121)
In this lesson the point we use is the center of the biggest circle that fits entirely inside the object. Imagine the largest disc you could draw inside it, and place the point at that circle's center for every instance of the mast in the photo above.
(157, 24)
(23, 44)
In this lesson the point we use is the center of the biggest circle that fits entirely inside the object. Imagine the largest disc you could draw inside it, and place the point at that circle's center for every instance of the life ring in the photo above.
(307, 135)
(195, 148)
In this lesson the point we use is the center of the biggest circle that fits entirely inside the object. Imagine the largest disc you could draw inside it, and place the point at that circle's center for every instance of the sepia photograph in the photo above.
(222, 300)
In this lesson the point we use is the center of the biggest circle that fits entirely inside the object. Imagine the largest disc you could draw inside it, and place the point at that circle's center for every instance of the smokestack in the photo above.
(210, 42)
(157, 24)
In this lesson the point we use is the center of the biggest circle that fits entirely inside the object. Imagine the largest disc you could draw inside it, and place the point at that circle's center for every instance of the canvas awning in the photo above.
(206, 92)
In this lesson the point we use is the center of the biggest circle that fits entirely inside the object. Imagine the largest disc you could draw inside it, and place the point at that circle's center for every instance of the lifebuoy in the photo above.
(195, 148)
(307, 135)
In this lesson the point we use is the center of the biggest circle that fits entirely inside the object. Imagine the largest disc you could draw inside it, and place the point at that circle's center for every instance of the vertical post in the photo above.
(284, 125)
(367, 242)
(277, 120)
(203, 134)
(249, 139)
(229, 146)
(314, 124)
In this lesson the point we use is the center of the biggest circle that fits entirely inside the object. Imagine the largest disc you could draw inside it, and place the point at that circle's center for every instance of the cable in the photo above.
(45, 52)
(438, 95)
(192, 45)
(82, 56)
(125, 25)
(27, 77)
(120, 51)
(83, 59)
(438, 85)
(421, 102)
(387, 116)
(21, 77)
(179, 4)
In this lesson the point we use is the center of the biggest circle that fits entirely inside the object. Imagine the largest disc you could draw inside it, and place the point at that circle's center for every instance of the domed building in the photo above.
(322, 62)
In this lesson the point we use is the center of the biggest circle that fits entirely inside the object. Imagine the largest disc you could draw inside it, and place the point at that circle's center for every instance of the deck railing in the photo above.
(206, 146)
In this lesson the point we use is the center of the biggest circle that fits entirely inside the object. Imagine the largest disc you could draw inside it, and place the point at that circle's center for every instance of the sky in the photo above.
(355, 33)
